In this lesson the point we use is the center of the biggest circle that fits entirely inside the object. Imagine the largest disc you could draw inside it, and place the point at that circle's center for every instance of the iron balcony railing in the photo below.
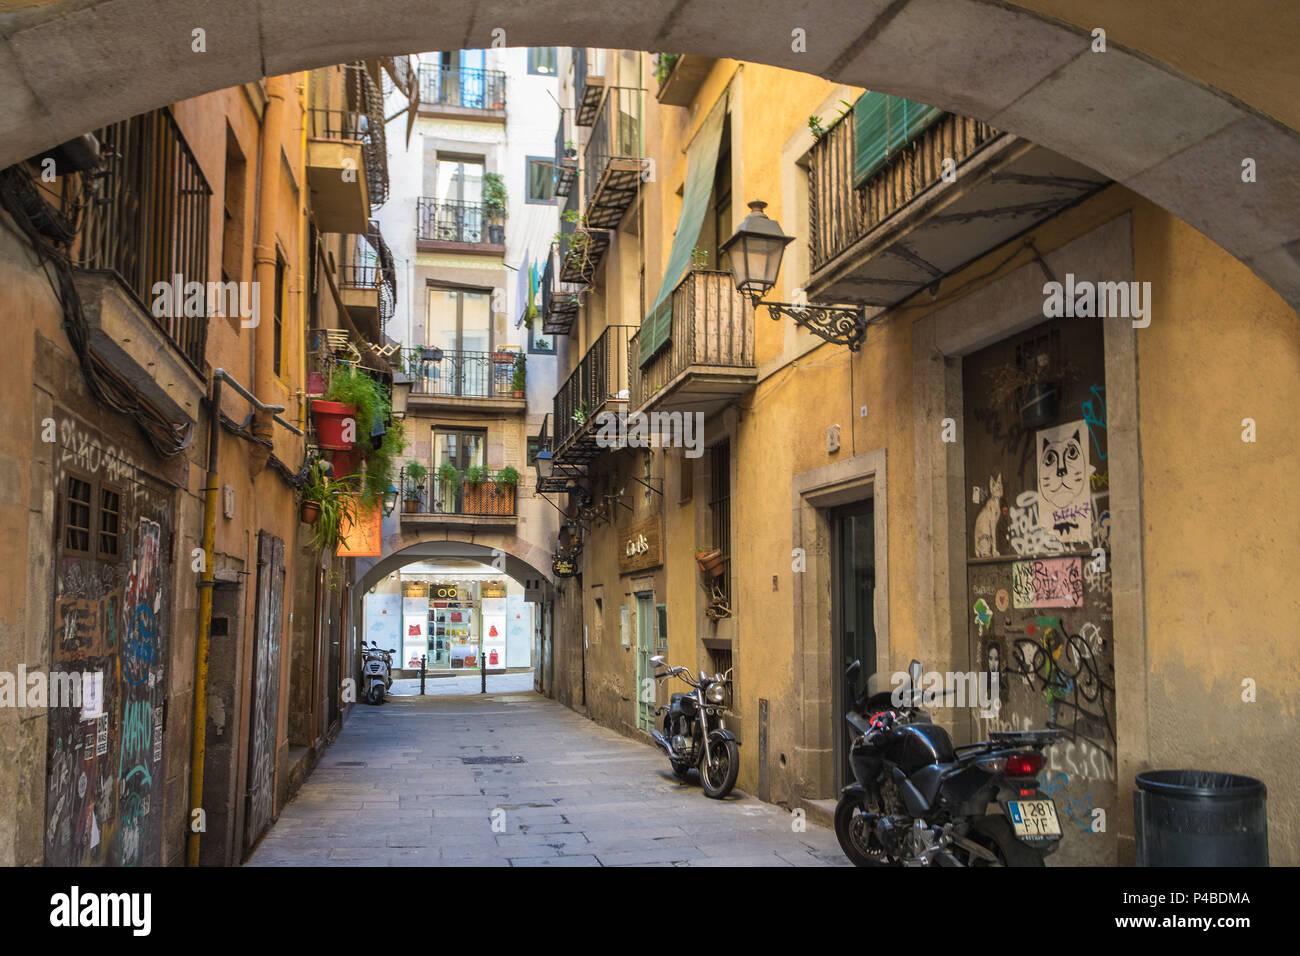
(466, 87)
(450, 220)
(148, 222)
(712, 326)
(566, 166)
(560, 300)
(615, 135)
(434, 496)
(599, 384)
(839, 214)
(371, 266)
(589, 73)
(460, 374)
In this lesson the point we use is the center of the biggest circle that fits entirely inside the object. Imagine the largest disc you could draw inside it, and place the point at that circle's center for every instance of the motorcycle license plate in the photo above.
(1033, 818)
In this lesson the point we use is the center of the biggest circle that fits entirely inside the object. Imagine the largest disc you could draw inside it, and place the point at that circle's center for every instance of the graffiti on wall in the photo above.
(1063, 669)
(1047, 582)
(104, 758)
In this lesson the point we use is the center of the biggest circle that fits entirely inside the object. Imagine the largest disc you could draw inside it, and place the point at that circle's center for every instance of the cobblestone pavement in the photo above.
(413, 782)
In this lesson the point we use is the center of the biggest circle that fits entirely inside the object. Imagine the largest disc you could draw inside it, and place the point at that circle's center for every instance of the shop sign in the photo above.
(640, 547)
(563, 567)
(445, 592)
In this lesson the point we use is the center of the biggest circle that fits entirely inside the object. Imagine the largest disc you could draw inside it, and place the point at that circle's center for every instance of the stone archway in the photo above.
(1158, 111)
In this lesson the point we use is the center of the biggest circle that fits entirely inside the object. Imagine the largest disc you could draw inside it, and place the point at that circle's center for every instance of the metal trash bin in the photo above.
(1200, 818)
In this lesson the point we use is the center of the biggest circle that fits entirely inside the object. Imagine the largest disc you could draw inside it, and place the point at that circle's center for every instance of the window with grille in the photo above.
(720, 508)
(278, 335)
(661, 629)
(110, 521)
(76, 535)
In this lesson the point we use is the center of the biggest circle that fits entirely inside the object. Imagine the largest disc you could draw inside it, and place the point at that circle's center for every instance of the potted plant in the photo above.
(377, 438)
(570, 149)
(475, 475)
(448, 481)
(519, 376)
(494, 206)
(413, 493)
(335, 505)
(711, 562)
(581, 414)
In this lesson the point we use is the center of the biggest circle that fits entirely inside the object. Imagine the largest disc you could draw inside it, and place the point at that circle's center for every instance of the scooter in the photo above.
(376, 672)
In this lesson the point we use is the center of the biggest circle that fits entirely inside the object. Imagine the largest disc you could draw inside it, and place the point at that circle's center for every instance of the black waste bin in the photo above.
(1200, 818)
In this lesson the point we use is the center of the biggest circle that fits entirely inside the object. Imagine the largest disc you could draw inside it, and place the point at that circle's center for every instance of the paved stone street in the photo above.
(414, 783)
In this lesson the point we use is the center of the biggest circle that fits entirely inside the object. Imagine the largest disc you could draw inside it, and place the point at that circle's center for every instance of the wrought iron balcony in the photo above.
(599, 384)
(905, 226)
(369, 268)
(566, 166)
(149, 221)
(709, 358)
(560, 300)
(589, 72)
(581, 248)
(614, 158)
(487, 502)
(447, 373)
(466, 223)
(462, 88)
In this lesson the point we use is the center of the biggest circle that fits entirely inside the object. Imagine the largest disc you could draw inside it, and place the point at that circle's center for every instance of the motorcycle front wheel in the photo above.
(857, 836)
(719, 774)
(376, 695)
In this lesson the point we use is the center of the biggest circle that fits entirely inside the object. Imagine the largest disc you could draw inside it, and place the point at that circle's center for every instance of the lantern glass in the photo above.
(544, 462)
(755, 252)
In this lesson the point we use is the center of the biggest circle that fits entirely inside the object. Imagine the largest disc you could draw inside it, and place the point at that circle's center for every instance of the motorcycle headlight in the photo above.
(716, 694)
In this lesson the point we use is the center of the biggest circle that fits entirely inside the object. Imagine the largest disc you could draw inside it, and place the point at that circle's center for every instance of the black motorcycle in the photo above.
(694, 734)
(920, 801)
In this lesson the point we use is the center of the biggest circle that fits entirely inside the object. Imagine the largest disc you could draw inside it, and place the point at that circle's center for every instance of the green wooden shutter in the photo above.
(701, 165)
(883, 125)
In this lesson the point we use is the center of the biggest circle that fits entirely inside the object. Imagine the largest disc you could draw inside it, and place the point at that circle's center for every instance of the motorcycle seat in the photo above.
(928, 779)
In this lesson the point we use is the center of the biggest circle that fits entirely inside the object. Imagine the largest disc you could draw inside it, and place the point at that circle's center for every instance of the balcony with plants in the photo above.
(465, 379)
(566, 156)
(598, 385)
(901, 194)
(475, 496)
(679, 77)
(453, 225)
(697, 353)
(560, 300)
(368, 282)
(579, 247)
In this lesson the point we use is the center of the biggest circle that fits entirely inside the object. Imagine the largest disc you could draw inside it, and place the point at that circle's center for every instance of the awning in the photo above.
(701, 168)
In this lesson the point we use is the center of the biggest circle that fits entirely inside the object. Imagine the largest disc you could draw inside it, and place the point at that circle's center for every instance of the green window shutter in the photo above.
(883, 125)
(701, 165)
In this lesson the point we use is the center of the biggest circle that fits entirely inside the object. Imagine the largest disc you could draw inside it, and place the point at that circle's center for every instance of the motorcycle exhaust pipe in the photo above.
(662, 742)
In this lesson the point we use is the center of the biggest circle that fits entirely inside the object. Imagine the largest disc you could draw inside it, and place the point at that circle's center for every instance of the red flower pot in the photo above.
(346, 463)
(330, 418)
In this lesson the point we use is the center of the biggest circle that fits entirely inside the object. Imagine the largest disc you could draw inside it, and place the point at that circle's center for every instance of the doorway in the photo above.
(853, 583)
(645, 648)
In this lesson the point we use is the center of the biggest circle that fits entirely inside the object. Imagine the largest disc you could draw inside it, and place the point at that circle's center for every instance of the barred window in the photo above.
(77, 532)
(720, 508)
(110, 516)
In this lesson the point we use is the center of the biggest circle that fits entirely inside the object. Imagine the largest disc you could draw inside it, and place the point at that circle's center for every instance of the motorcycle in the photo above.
(918, 801)
(694, 735)
(376, 672)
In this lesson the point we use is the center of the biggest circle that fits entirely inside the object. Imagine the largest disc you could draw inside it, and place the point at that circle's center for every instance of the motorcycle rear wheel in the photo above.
(857, 837)
(719, 775)
(995, 833)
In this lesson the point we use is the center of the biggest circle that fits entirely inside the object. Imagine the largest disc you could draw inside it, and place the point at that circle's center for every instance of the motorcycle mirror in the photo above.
(914, 674)
(852, 671)
(392, 650)
(657, 659)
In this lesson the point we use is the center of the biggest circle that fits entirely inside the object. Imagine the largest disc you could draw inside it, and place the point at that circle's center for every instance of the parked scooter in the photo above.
(376, 671)
(694, 735)
(918, 800)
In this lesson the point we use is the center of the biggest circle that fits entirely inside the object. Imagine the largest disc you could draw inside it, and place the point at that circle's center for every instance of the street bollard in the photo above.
(423, 660)
(482, 666)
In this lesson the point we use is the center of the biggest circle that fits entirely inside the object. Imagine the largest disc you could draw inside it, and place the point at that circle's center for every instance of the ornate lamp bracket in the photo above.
(840, 325)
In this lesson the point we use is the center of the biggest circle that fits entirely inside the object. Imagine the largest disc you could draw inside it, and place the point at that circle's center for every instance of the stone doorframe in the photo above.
(813, 493)
(939, 340)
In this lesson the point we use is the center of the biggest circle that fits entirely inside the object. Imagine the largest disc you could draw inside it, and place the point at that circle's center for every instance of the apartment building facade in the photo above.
(171, 280)
(948, 466)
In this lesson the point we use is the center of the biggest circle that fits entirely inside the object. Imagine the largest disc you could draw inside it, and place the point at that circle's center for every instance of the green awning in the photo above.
(701, 167)
(882, 125)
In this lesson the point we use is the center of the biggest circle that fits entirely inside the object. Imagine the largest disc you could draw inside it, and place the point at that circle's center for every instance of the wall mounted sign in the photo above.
(640, 547)
(563, 567)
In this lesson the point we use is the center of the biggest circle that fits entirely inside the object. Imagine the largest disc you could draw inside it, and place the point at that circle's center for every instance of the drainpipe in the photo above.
(198, 742)
(264, 260)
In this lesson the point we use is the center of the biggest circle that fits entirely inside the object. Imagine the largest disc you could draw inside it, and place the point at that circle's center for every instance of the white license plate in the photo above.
(1033, 818)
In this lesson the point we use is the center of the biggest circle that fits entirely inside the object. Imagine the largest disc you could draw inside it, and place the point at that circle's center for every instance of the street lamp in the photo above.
(755, 253)
(544, 462)
(401, 390)
(390, 500)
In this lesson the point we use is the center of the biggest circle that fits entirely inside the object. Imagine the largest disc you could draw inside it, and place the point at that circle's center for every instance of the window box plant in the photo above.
(334, 504)
(519, 376)
(494, 206)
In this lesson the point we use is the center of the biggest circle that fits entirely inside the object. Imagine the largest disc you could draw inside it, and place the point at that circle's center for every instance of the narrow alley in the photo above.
(416, 781)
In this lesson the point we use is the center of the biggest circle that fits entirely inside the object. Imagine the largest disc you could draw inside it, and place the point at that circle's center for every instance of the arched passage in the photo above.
(1152, 111)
